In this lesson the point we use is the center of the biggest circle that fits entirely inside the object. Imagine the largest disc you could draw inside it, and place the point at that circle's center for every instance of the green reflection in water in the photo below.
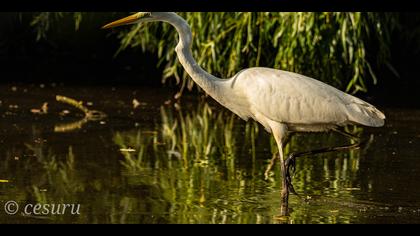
(211, 168)
(198, 166)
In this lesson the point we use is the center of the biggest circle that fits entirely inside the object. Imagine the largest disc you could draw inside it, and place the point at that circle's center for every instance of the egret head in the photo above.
(137, 18)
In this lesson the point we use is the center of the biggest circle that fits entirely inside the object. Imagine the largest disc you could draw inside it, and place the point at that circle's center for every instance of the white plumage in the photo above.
(300, 102)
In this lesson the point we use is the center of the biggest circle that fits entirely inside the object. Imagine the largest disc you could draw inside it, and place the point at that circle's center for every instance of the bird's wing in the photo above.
(293, 98)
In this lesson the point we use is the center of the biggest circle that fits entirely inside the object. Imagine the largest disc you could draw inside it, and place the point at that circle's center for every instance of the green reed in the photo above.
(199, 133)
(133, 148)
(330, 46)
(59, 177)
(345, 49)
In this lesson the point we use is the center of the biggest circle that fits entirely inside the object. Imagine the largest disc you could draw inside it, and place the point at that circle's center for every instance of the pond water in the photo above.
(155, 161)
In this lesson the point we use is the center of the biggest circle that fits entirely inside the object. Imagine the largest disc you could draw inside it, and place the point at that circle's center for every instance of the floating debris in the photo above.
(89, 114)
(44, 107)
(352, 189)
(72, 102)
(136, 103)
(42, 110)
(127, 150)
(67, 127)
(64, 112)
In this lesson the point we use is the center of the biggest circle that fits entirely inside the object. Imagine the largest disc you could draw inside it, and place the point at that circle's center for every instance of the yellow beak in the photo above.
(124, 21)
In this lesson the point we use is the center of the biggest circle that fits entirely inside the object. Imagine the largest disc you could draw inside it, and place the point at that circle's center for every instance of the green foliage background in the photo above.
(342, 49)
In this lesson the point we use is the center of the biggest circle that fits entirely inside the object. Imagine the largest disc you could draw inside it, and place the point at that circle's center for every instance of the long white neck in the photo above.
(222, 90)
(209, 83)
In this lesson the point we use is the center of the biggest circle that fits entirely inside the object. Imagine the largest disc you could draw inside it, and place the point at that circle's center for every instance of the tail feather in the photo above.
(361, 112)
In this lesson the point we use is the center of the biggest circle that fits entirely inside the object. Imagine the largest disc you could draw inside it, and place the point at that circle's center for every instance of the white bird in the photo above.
(281, 101)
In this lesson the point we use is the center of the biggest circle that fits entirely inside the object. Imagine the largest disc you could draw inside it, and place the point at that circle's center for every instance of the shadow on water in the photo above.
(153, 161)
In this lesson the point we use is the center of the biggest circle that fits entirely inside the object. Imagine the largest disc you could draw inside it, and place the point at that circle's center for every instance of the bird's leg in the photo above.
(284, 187)
(348, 135)
(280, 134)
(270, 166)
(275, 157)
(290, 161)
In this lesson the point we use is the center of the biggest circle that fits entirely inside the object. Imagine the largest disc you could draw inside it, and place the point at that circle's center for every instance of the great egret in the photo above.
(281, 101)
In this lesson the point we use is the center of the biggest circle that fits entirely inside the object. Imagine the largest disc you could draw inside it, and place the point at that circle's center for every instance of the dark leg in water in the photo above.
(291, 159)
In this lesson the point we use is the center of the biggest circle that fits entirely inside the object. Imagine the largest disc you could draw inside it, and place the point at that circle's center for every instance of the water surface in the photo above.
(155, 161)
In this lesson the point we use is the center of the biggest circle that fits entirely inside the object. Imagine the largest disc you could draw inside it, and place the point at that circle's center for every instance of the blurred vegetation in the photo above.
(163, 176)
(343, 49)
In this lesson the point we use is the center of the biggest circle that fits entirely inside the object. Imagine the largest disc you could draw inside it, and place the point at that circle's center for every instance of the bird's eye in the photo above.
(142, 15)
